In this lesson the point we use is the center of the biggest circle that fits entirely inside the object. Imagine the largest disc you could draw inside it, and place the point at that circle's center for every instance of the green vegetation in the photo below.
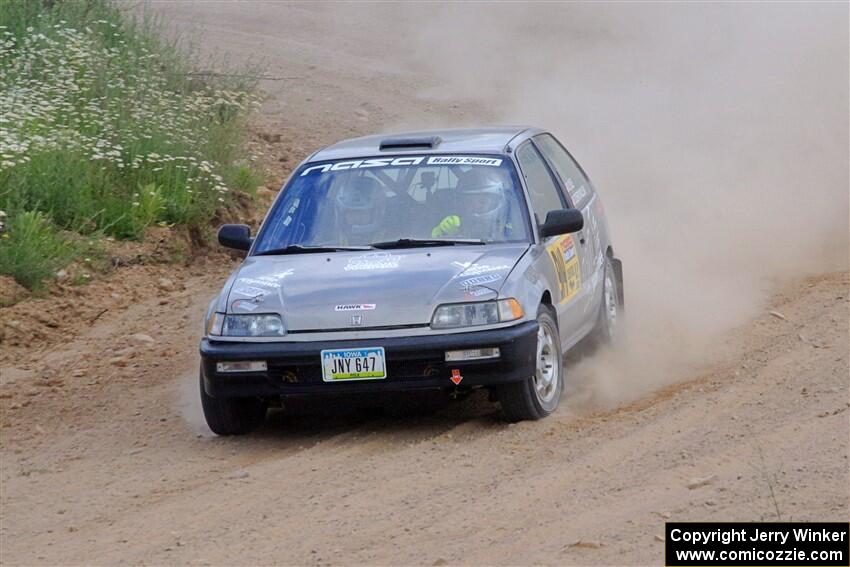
(32, 250)
(104, 130)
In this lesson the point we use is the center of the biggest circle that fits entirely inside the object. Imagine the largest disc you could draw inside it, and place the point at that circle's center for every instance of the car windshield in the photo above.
(361, 202)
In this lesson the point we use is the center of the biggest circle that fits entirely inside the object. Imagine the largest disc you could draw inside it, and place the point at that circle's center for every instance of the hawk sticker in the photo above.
(565, 258)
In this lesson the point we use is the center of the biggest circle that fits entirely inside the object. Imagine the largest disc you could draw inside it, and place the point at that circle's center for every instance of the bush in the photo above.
(104, 129)
(31, 250)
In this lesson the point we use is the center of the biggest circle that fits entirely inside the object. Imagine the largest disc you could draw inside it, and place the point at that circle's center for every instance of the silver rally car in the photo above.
(442, 260)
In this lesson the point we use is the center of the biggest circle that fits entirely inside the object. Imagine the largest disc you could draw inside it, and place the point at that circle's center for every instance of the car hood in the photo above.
(362, 290)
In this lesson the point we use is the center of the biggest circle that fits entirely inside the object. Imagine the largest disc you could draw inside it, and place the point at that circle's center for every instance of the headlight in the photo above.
(478, 313)
(214, 324)
(268, 325)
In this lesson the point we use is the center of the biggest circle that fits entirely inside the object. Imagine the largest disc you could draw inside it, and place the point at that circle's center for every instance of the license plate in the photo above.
(353, 364)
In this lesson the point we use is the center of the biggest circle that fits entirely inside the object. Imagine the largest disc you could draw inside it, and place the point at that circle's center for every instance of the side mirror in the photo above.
(563, 221)
(237, 236)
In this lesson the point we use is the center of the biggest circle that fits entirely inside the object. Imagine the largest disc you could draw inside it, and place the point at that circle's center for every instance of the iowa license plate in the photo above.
(353, 364)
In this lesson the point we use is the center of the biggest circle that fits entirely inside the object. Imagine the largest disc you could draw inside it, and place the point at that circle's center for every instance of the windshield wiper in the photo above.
(422, 242)
(299, 249)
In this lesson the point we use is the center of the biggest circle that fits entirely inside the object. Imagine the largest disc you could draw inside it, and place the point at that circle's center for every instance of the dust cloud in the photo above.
(717, 135)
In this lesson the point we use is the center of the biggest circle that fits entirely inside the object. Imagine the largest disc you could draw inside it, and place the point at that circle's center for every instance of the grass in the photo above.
(104, 130)
(31, 250)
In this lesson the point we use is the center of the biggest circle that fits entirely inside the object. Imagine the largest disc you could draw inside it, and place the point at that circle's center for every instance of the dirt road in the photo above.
(106, 461)
(105, 458)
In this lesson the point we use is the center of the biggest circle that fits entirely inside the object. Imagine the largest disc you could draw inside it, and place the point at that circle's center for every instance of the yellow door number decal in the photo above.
(563, 254)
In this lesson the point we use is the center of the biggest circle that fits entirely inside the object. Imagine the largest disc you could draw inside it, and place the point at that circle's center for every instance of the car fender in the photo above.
(526, 284)
(219, 302)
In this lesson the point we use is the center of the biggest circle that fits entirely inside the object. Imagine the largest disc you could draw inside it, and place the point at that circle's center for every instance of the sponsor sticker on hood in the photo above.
(373, 261)
(470, 269)
(270, 280)
(355, 307)
(244, 304)
(470, 283)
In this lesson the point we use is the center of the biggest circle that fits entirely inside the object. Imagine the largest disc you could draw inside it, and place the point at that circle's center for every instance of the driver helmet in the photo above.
(482, 195)
(360, 205)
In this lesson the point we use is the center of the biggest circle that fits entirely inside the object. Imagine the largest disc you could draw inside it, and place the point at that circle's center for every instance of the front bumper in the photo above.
(413, 363)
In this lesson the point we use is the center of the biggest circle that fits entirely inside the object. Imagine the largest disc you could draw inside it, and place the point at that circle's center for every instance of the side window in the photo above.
(568, 170)
(542, 190)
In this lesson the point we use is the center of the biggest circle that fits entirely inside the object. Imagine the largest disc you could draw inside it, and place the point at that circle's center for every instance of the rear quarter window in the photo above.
(575, 183)
(542, 190)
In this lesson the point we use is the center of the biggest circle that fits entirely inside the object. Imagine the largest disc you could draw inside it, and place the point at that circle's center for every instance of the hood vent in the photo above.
(425, 143)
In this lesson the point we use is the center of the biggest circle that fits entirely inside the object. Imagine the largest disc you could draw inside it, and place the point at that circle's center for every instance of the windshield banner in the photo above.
(403, 161)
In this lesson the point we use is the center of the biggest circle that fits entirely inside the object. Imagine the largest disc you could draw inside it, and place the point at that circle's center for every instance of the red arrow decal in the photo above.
(456, 377)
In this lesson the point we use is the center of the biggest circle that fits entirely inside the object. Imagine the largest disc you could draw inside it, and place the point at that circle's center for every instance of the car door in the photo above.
(579, 191)
(558, 257)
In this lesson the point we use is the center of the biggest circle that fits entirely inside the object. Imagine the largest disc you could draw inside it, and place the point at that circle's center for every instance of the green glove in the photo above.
(448, 226)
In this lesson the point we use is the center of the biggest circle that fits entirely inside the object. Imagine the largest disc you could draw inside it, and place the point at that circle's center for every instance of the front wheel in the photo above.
(539, 395)
(232, 416)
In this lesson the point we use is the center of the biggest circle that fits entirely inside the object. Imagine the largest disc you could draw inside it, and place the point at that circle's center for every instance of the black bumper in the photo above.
(413, 363)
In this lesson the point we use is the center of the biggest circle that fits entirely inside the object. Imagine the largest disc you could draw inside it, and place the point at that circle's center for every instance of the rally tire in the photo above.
(232, 416)
(610, 308)
(539, 395)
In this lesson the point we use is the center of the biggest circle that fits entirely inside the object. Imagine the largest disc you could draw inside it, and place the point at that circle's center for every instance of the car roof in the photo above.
(472, 140)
